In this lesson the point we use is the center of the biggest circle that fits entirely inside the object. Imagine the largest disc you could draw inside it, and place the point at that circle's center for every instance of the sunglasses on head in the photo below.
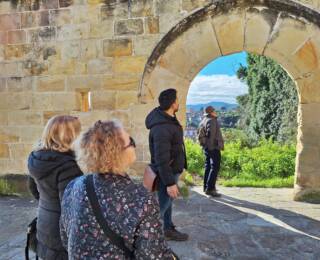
(132, 143)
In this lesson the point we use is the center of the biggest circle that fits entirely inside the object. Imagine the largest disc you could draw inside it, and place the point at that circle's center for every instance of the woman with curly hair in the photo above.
(128, 210)
(52, 166)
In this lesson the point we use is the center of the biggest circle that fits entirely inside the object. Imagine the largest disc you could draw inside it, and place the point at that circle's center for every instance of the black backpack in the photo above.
(31, 239)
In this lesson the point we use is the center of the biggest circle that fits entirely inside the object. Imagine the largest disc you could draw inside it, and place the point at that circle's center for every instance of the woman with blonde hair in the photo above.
(105, 215)
(52, 166)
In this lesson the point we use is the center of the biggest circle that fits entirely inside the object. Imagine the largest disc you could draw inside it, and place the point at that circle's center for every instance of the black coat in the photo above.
(168, 155)
(50, 173)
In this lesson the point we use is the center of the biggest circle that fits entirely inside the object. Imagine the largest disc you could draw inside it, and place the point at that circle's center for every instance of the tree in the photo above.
(270, 108)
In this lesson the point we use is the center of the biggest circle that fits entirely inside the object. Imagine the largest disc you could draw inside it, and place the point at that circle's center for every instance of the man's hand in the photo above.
(173, 191)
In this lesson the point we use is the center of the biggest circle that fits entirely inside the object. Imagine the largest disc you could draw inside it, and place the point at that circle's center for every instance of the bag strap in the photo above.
(114, 238)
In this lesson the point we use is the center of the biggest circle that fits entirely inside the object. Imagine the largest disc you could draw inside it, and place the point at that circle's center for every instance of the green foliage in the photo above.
(195, 157)
(6, 188)
(265, 164)
(270, 108)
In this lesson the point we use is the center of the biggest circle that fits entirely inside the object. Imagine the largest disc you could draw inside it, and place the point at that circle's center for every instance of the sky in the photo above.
(218, 81)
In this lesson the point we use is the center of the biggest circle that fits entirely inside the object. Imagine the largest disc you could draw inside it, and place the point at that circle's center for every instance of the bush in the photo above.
(268, 164)
(195, 158)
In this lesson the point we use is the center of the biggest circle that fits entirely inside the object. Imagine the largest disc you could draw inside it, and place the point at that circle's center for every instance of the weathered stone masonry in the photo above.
(53, 53)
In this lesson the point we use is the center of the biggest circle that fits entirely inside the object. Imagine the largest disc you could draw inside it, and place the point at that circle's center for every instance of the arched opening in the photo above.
(256, 105)
(284, 31)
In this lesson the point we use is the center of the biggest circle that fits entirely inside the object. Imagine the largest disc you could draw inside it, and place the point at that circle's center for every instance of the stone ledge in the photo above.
(307, 195)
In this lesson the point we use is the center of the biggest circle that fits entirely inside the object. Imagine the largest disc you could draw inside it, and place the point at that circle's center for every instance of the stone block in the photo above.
(3, 84)
(65, 3)
(289, 35)
(122, 116)
(62, 67)
(43, 18)
(51, 51)
(18, 84)
(309, 91)
(17, 166)
(125, 99)
(117, 47)
(49, 114)
(192, 51)
(85, 13)
(16, 101)
(49, 4)
(120, 83)
(45, 34)
(34, 68)
(144, 44)
(167, 7)
(158, 81)
(10, 69)
(129, 26)
(103, 29)
(90, 49)
(70, 50)
(141, 8)
(20, 151)
(4, 151)
(42, 101)
(67, 100)
(6, 137)
(130, 64)
(139, 113)
(3, 120)
(24, 118)
(31, 134)
(229, 30)
(10, 22)
(3, 37)
(17, 37)
(73, 32)
(190, 5)
(87, 82)
(112, 9)
(29, 19)
(308, 115)
(51, 84)
(167, 21)
(152, 25)
(258, 28)
(59, 17)
(103, 100)
(16, 52)
(100, 66)
(87, 119)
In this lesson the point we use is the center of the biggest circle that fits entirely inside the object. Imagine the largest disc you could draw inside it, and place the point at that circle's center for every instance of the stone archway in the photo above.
(283, 30)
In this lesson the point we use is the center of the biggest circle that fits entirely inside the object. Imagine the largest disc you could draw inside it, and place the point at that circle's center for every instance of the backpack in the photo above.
(202, 134)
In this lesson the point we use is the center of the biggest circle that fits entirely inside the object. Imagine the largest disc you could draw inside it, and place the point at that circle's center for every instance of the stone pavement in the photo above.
(245, 223)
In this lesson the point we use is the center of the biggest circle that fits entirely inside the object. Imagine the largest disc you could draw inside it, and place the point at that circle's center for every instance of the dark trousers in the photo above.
(165, 202)
(212, 167)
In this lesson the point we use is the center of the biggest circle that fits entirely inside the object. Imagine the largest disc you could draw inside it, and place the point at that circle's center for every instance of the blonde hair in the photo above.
(60, 133)
(100, 148)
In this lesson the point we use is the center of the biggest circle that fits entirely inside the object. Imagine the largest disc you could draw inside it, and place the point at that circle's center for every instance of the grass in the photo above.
(275, 182)
(5, 188)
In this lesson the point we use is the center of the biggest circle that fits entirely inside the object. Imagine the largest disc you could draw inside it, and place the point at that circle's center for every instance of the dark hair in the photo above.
(167, 98)
(209, 109)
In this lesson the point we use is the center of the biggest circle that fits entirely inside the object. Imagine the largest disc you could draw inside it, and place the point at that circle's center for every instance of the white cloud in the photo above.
(224, 88)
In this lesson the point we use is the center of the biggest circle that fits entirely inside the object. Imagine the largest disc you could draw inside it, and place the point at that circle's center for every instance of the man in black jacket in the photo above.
(168, 156)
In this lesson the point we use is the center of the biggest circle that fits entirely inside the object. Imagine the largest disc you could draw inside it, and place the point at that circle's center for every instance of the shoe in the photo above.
(174, 235)
(212, 193)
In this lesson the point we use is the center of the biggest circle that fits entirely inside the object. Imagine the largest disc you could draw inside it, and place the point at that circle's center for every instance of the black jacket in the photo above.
(50, 172)
(168, 155)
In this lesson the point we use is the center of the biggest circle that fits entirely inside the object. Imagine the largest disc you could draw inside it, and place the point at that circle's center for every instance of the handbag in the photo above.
(150, 179)
(113, 237)
(31, 239)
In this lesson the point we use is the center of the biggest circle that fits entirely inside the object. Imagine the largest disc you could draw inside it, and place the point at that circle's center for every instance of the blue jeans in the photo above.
(212, 167)
(165, 202)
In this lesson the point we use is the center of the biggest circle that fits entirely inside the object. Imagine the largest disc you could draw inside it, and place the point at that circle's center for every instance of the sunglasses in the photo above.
(132, 143)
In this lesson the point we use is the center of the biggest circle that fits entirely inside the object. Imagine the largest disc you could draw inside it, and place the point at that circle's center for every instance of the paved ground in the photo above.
(244, 224)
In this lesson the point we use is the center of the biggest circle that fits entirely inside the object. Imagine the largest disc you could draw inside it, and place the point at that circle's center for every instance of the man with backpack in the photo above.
(211, 140)
(168, 156)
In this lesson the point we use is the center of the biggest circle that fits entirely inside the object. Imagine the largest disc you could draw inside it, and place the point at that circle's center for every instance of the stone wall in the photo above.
(53, 53)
